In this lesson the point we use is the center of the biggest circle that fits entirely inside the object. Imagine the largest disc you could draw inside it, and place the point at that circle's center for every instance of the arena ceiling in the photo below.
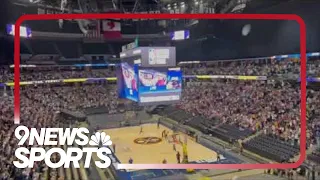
(134, 6)
(210, 39)
(139, 6)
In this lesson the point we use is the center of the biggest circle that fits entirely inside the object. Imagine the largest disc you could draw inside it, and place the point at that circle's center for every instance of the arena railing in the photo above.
(75, 80)
(277, 57)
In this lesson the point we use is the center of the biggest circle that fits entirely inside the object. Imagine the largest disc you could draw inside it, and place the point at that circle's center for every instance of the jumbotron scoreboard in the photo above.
(149, 76)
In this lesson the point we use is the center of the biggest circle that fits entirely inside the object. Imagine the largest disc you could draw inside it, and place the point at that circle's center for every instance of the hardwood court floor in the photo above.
(124, 138)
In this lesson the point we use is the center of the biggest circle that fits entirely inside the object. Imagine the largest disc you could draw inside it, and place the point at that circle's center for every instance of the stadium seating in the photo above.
(314, 157)
(272, 148)
(198, 123)
(179, 116)
(230, 133)
(229, 110)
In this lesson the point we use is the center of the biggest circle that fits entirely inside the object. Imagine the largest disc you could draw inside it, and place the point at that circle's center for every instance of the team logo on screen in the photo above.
(50, 141)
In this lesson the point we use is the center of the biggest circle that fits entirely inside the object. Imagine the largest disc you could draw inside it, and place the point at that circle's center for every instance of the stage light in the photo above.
(196, 2)
(246, 29)
(175, 6)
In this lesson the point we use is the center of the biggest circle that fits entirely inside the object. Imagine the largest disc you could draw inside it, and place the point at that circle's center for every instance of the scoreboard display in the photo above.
(158, 56)
(159, 85)
(149, 86)
(128, 85)
(148, 76)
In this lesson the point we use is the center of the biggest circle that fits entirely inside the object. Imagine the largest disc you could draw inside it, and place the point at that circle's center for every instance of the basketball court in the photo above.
(146, 146)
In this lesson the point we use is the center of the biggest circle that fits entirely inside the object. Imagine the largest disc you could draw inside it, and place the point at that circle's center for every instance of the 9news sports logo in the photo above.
(60, 137)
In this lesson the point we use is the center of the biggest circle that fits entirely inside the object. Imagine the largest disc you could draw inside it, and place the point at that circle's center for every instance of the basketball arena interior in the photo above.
(166, 91)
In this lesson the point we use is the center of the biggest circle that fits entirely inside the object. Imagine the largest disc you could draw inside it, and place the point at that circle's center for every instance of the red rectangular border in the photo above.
(180, 16)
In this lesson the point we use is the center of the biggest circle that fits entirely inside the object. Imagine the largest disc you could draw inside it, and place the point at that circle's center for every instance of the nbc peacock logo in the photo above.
(100, 139)
(57, 138)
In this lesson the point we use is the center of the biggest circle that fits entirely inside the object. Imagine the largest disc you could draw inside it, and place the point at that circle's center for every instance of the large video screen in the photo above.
(158, 85)
(128, 81)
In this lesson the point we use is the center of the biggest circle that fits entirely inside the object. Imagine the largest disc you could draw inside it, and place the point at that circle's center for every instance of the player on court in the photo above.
(178, 157)
(114, 148)
(158, 123)
(218, 157)
(164, 161)
(130, 161)
(141, 130)
(165, 134)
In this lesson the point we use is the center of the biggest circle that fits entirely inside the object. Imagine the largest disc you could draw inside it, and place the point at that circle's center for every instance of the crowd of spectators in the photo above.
(268, 106)
(39, 108)
(33, 114)
(54, 73)
(257, 105)
(75, 98)
(250, 67)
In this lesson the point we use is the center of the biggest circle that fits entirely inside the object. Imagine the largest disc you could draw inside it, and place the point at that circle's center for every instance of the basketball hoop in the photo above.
(185, 139)
(173, 138)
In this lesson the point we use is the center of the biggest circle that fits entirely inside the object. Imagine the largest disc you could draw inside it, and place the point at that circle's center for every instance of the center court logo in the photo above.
(54, 138)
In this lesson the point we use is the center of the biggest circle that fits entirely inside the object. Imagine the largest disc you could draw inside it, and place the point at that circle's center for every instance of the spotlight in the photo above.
(246, 30)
